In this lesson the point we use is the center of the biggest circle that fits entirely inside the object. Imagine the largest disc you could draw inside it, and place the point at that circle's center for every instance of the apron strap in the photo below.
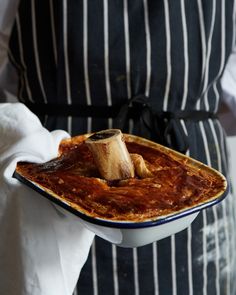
(163, 127)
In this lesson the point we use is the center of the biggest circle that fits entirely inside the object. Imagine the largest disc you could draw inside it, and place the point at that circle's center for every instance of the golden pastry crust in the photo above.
(174, 182)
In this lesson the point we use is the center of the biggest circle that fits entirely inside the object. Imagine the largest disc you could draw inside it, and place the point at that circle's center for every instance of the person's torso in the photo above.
(105, 52)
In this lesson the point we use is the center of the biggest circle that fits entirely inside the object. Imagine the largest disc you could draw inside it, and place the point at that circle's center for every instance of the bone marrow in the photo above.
(110, 154)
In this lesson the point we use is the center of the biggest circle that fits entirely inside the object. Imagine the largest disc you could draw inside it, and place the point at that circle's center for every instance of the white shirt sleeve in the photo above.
(8, 77)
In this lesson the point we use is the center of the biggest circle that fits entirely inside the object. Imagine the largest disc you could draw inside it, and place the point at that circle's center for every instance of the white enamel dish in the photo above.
(135, 234)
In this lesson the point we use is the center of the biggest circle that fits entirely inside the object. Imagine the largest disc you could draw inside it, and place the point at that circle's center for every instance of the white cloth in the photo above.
(41, 250)
(46, 249)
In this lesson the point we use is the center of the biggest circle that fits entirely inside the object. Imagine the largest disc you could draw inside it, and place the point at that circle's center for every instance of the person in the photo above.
(83, 64)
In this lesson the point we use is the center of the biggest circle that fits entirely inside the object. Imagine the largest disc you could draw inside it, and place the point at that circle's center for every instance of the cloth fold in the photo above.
(42, 250)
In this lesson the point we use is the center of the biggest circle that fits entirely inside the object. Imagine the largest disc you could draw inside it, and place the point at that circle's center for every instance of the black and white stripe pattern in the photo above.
(103, 53)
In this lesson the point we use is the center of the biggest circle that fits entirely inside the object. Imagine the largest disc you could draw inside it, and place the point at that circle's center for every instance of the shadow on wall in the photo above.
(228, 120)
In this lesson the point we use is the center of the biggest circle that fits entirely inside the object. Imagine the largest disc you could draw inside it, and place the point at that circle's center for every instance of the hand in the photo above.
(41, 251)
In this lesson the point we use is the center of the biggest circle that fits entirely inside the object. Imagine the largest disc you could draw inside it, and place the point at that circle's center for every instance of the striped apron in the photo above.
(85, 54)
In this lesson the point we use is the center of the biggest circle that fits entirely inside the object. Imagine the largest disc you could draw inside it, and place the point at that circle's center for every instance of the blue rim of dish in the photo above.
(122, 224)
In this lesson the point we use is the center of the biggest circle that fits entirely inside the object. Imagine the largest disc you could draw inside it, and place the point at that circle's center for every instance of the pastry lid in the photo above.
(195, 166)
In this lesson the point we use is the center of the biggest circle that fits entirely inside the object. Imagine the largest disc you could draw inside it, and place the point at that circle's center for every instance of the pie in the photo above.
(173, 183)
